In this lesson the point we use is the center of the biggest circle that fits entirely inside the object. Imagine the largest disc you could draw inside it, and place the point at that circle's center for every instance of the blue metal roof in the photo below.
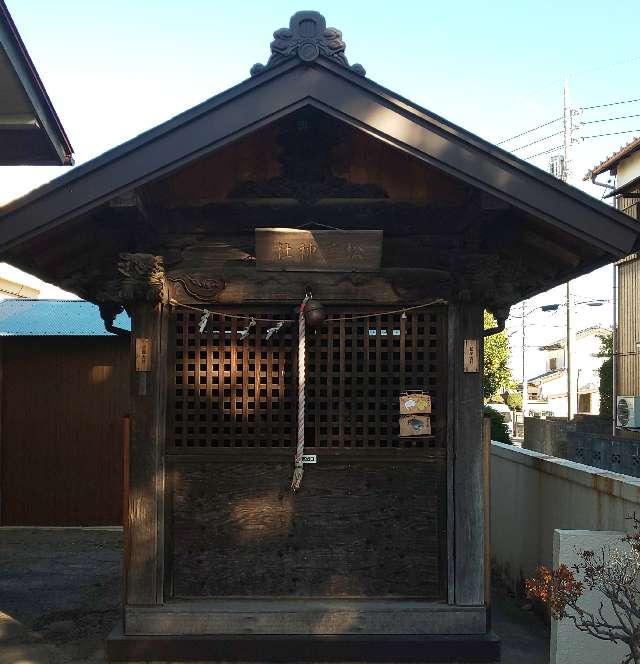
(37, 318)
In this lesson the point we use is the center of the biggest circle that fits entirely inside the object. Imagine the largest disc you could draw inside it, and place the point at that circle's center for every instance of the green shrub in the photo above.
(499, 430)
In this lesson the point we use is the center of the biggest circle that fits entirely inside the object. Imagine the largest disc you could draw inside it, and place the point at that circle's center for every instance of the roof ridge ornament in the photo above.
(307, 37)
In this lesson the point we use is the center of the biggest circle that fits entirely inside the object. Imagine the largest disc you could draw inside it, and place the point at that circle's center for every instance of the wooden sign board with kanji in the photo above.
(298, 250)
(471, 357)
(143, 354)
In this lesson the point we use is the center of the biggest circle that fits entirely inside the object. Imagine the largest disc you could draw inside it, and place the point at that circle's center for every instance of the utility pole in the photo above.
(567, 126)
(572, 388)
(525, 391)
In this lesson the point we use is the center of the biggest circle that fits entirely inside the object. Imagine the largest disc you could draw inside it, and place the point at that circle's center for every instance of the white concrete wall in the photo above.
(568, 645)
(533, 494)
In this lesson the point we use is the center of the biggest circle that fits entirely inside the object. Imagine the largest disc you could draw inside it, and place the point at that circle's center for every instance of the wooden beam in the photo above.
(553, 249)
(245, 284)
(144, 568)
(465, 430)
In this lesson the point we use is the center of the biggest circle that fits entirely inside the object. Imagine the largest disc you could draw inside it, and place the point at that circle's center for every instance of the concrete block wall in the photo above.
(548, 435)
(620, 455)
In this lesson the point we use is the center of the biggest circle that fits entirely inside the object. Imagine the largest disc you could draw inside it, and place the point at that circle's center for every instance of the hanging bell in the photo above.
(314, 313)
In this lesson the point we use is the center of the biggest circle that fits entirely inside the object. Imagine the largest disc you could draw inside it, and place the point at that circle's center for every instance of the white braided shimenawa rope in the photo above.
(298, 470)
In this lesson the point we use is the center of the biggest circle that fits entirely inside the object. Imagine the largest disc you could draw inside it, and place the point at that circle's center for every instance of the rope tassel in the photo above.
(298, 471)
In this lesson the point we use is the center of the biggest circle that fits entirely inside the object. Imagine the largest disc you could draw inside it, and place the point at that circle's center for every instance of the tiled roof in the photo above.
(36, 318)
(580, 334)
(547, 374)
(612, 160)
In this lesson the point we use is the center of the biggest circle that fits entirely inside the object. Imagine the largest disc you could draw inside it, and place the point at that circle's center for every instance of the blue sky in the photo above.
(114, 69)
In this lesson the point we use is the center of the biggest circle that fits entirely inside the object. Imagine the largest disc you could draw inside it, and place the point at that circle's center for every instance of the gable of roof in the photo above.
(30, 130)
(346, 95)
(47, 318)
(613, 160)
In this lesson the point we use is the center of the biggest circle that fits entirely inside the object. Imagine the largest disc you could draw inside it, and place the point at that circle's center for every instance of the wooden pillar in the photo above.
(2, 356)
(144, 567)
(466, 481)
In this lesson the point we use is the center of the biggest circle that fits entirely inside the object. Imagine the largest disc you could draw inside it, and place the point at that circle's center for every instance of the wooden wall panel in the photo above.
(356, 158)
(354, 529)
(62, 412)
(628, 362)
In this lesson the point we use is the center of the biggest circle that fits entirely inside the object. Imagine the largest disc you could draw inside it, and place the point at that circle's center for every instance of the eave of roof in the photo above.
(628, 259)
(546, 376)
(613, 160)
(10, 40)
(353, 99)
(625, 188)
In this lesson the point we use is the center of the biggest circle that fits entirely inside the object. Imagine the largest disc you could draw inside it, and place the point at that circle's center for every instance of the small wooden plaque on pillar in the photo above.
(471, 359)
(143, 354)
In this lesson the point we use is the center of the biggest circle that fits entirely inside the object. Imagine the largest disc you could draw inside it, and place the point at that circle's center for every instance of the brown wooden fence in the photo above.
(63, 403)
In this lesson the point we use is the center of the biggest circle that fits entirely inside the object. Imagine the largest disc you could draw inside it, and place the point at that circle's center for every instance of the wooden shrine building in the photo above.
(308, 179)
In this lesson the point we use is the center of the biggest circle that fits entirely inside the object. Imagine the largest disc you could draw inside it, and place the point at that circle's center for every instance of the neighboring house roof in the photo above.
(30, 131)
(626, 190)
(44, 318)
(613, 160)
(546, 376)
(594, 330)
(17, 289)
(628, 259)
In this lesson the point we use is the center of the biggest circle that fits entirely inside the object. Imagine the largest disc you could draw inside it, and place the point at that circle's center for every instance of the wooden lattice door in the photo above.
(370, 518)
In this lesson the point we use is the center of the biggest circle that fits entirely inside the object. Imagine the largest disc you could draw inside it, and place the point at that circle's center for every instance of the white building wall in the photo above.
(628, 169)
(586, 367)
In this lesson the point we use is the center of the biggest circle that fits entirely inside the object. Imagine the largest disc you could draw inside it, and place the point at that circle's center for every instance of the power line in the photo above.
(531, 156)
(528, 131)
(613, 133)
(613, 103)
(620, 117)
(521, 147)
(584, 108)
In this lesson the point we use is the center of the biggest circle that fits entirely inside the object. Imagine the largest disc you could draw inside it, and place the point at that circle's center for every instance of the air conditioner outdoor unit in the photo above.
(628, 412)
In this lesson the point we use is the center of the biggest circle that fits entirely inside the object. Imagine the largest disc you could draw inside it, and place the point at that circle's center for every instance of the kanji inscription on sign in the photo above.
(297, 250)
(471, 359)
(143, 354)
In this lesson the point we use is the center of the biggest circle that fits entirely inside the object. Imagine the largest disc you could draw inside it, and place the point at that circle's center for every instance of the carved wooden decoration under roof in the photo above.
(307, 38)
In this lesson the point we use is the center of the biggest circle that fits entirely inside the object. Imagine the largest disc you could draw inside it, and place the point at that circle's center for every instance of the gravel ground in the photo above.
(59, 594)
(60, 597)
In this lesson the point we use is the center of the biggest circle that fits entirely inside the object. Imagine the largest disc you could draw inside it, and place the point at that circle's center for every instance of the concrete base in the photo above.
(303, 648)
